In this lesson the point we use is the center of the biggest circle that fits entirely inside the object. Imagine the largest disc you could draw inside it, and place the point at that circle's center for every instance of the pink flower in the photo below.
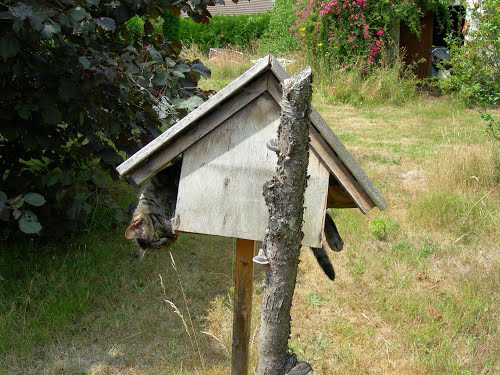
(380, 32)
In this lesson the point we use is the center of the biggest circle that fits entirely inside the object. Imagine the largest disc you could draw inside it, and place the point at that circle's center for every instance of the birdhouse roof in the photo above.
(266, 75)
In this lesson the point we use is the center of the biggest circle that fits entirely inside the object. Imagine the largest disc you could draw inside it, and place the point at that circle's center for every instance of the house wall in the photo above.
(242, 7)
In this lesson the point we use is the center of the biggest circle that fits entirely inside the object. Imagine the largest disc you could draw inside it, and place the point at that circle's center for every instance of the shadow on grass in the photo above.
(85, 306)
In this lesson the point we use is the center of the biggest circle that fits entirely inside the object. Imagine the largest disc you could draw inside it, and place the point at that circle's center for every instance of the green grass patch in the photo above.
(465, 217)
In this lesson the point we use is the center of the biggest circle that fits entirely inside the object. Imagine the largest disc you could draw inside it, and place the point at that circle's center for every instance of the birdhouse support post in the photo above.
(243, 286)
(284, 196)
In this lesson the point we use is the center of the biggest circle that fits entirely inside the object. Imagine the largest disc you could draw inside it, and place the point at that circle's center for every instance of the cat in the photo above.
(333, 241)
(151, 226)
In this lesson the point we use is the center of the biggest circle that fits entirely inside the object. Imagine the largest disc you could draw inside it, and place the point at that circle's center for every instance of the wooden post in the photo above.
(243, 286)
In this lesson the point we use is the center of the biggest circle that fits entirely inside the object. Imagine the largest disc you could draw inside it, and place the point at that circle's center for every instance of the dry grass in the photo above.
(422, 301)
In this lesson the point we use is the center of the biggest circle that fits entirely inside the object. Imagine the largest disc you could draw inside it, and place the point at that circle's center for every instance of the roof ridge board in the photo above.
(345, 156)
(140, 156)
(337, 146)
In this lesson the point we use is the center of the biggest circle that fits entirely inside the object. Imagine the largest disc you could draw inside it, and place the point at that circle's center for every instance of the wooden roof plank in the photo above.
(153, 146)
(337, 146)
(346, 158)
(335, 167)
(278, 72)
(332, 162)
(205, 125)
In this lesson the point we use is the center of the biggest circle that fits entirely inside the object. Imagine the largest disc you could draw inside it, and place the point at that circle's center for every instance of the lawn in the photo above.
(416, 289)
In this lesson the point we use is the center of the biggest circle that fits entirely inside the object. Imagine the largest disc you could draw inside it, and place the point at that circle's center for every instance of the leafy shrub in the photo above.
(26, 219)
(80, 90)
(136, 26)
(278, 37)
(222, 31)
(475, 65)
(171, 25)
(352, 32)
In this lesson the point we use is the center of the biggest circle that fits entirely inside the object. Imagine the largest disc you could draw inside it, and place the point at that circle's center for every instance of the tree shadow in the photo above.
(124, 323)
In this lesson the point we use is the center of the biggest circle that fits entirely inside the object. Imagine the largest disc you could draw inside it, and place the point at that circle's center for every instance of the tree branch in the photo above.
(284, 196)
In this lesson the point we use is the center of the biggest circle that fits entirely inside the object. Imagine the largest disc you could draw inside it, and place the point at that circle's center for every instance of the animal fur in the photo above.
(151, 225)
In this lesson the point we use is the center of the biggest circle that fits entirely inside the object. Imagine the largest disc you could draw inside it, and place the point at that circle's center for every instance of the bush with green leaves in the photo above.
(475, 65)
(222, 31)
(79, 92)
(352, 32)
(278, 38)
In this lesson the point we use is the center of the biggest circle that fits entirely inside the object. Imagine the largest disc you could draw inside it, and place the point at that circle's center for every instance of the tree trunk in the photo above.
(284, 196)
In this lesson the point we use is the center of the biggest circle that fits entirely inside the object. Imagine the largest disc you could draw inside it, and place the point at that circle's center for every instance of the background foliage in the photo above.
(79, 91)
(277, 38)
(352, 32)
(243, 31)
(475, 65)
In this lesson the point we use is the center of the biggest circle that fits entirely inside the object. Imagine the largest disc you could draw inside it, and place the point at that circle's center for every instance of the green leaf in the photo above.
(155, 55)
(93, 2)
(178, 74)
(34, 199)
(28, 223)
(109, 73)
(170, 62)
(51, 115)
(106, 23)
(183, 68)
(22, 12)
(25, 111)
(191, 103)
(202, 69)
(16, 202)
(53, 176)
(16, 214)
(9, 47)
(160, 78)
(84, 61)
(77, 14)
(49, 30)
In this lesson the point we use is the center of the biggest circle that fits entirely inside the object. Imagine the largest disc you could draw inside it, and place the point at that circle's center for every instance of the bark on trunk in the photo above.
(284, 196)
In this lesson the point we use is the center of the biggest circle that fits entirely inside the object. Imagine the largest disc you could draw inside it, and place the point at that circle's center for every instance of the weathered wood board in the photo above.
(220, 191)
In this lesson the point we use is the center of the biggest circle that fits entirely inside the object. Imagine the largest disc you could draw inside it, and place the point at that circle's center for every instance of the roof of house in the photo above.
(242, 7)
(265, 75)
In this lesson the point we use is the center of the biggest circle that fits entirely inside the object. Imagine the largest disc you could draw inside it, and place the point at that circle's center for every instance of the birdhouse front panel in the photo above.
(220, 190)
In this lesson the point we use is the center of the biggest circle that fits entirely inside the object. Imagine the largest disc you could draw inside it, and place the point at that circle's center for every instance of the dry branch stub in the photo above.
(284, 196)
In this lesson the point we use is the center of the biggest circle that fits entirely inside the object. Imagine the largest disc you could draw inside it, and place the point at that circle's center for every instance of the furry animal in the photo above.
(335, 243)
(332, 240)
(151, 226)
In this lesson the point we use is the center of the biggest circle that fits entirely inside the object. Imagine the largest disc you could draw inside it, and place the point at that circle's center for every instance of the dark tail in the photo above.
(332, 234)
(324, 261)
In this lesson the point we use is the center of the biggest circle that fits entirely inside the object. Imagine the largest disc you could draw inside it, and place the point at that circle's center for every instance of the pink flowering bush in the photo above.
(351, 32)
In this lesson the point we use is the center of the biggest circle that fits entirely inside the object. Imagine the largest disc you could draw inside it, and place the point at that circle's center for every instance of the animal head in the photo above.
(150, 231)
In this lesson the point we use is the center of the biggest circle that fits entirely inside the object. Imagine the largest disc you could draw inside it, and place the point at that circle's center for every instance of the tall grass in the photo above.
(390, 83)
(462, 195)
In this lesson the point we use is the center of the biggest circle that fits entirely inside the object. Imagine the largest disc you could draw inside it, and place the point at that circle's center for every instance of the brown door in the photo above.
(414, 48)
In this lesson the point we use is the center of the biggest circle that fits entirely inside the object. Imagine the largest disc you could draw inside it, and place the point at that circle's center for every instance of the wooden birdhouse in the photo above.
(225, 163)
